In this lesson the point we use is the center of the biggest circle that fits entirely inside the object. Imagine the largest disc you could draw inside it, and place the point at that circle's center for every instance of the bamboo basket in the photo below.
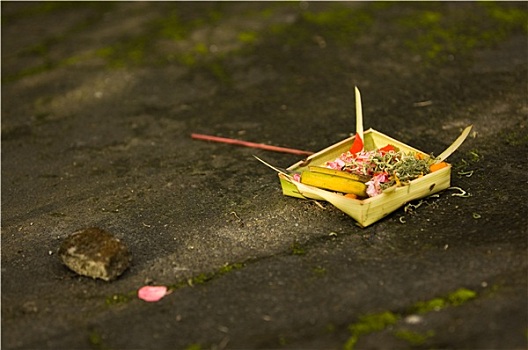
(368, 211)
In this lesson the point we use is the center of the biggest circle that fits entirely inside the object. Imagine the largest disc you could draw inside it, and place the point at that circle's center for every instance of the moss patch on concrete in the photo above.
(377, 322)
(458, 297)
(369, 324)
(413, 338)
(435, 33)
(438, 33)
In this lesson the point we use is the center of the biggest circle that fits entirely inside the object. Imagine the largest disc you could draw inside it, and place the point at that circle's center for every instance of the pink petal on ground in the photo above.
(152, 293)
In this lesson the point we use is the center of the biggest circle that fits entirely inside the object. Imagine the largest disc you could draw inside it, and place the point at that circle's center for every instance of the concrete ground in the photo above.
(99, 100)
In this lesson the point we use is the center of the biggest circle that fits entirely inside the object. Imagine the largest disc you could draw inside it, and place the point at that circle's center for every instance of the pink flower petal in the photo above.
(373, 186)
(152, 293)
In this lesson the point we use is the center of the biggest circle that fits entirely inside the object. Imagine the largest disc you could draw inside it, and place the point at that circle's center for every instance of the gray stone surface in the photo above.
(95, 253)
(99, 100)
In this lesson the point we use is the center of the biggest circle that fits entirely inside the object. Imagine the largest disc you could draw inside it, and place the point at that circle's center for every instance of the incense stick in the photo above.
(251, 144)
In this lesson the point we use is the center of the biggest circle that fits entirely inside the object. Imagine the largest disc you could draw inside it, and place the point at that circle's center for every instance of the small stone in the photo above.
(413, 319)
(95, 253)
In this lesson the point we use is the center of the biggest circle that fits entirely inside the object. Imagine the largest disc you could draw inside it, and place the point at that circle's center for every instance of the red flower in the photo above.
(357, 146)
(387, 149)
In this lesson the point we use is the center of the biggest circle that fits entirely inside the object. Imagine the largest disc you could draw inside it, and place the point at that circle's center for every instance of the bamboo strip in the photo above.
(454, 146)
(359, 115)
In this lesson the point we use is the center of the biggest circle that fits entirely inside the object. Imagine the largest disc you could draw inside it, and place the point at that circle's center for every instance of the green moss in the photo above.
(230, 267)
(200, 48)
(413, 338)
(461, 296)
(516, 137)
(438, 33)
(141, 50)
(247, 37)
(296, 249)
(266, 13)
(40, 49)
(456, 298)
(200, 279)
(282, 340)
(175, 26)
(338, 24)
(117, 299)
(43, 48)
(206, 277)
(194, 346)
(131, 52)
(96, 340)
(377, 322)
(434, 31)
(172, 27)
(373, 323)
(319, 271)
(369, 324)
(511, 17)
(69, 61)
(435, 304)
(46, 66)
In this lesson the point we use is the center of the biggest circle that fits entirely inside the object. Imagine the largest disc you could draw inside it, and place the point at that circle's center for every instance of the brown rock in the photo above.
(95, 253)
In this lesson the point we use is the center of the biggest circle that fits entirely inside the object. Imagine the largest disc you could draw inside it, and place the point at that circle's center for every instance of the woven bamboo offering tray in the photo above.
(318, 177)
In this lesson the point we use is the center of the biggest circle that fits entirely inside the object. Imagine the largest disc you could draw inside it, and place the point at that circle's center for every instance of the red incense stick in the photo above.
(250, 144)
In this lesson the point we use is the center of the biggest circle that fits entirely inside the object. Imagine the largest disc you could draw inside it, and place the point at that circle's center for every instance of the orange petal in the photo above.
(437, 166)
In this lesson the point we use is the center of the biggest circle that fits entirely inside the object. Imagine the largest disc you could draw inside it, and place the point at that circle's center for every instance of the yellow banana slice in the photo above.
(334, 183)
